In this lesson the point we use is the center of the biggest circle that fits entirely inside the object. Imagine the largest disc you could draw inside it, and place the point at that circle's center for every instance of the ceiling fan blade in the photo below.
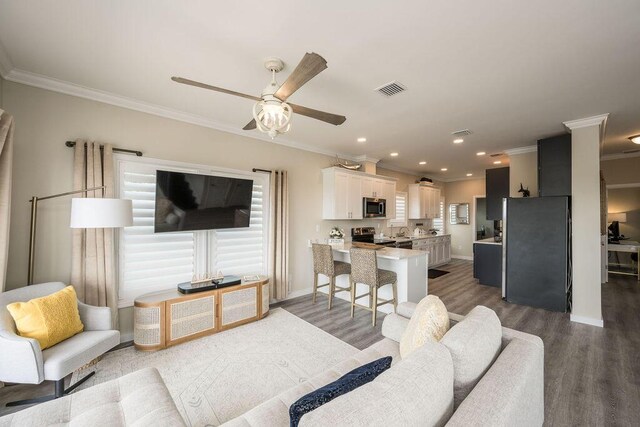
(215, 88)
(310, 66)
(334, 119)
(251, 125)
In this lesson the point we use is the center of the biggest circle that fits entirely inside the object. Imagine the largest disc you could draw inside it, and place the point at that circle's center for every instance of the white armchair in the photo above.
(22, 360)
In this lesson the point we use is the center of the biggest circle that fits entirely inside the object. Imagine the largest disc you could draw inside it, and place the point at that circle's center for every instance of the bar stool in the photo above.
(323, 263)
(364, 269)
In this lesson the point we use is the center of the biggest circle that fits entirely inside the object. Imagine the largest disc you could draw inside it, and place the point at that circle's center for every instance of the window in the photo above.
(149, 262)
(438, 223)
(401, 211)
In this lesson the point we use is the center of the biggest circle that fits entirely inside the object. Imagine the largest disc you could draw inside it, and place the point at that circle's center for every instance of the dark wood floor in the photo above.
(592, 375)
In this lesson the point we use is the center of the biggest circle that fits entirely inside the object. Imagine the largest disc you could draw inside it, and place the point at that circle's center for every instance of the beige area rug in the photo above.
(217, 378)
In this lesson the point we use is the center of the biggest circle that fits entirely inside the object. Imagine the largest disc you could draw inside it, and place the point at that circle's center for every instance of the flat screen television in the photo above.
(190, 202)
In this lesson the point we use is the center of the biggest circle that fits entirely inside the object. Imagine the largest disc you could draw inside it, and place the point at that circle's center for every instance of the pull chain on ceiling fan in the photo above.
(271, 113)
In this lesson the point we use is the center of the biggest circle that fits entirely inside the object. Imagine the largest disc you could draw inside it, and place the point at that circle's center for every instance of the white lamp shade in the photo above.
(101, 213)
(620, 217)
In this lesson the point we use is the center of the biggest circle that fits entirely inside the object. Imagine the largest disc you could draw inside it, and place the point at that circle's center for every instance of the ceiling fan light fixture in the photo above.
(272, 117)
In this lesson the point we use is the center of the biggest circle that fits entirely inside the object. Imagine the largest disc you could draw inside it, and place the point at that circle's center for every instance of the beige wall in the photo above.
(626, 200)
(43, 166)
(523, 168)
(621, 171)
(462, 235)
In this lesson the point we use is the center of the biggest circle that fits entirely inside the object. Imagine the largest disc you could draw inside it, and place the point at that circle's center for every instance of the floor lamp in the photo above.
(85, 213)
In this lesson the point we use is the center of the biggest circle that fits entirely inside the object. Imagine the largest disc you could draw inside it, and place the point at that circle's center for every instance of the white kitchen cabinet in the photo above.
(354, 196)
(343, 190)
(438, 248)
(341, 193)
(389, 194)
(375, 187)
(424, 202)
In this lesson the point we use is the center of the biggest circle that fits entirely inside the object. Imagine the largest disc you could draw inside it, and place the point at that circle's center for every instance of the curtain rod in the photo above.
(72, 144)
(261, 170)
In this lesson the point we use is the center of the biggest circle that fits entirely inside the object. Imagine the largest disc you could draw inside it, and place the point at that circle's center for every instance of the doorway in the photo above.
(482, 227)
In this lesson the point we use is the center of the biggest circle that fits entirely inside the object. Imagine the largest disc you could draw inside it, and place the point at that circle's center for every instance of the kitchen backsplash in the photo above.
(380, 226)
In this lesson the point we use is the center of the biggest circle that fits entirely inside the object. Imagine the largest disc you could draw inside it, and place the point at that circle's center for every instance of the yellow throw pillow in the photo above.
(429, 322)
(49, 319)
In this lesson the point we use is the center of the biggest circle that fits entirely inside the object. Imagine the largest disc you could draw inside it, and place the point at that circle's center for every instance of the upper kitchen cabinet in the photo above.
(497, 182)
(554, 166)
(424, 202)
(344, 190)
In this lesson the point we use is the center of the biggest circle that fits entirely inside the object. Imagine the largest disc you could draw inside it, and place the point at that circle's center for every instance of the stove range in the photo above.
(367, 235)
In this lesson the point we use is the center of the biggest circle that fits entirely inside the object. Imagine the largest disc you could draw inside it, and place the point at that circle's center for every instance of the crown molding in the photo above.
(464, 178)
(588, 121)
(398, 169)
(618, 156)
(521, 150)
(365, 158)
(5, 62)
(67, 88)
(618, 186)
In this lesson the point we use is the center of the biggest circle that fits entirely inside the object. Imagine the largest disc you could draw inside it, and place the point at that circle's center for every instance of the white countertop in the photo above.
(387, 253)
(423, 237)
(488, 241)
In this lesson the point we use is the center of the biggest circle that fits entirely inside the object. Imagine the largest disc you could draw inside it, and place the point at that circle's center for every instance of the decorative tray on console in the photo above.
(193, 287)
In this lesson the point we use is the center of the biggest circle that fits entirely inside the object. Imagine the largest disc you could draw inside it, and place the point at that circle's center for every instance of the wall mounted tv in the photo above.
(189, 202)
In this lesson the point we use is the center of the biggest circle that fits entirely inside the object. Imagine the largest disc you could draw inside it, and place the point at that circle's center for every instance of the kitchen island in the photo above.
(487, 262)
(409, 265)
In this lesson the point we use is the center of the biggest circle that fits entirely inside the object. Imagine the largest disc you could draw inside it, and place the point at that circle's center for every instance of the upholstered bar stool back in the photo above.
(324, 264)
(364, 270)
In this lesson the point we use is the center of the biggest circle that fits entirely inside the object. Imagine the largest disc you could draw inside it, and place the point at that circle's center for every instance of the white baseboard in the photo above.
(295, 294)
(465, 257)
(587, 321)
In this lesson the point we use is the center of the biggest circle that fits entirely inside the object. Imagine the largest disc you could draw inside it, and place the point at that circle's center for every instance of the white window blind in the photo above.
(401, 211)
(438, 223)
(151, 261)
(241, 251)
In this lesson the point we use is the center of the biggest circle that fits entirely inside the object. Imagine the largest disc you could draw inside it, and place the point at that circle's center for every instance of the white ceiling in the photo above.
(511, 71)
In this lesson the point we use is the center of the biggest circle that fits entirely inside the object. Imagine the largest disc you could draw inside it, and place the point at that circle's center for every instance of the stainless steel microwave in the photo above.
(374, 208)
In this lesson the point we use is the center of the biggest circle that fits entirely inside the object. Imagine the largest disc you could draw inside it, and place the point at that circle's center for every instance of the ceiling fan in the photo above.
(271, 113)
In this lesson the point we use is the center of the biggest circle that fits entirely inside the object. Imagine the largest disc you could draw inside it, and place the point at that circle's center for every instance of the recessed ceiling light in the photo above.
(469, 174)
(635, 139)
(480, 153)
(497, 162)
(362, 140)
(394, 154)
(422, 163)
(458, 141)
(443, 169)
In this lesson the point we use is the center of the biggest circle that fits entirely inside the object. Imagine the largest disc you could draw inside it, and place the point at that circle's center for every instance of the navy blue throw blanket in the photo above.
(348, 382)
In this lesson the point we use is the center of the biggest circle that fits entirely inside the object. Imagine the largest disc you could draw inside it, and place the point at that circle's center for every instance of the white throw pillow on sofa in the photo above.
(474, 344)
(429, 322)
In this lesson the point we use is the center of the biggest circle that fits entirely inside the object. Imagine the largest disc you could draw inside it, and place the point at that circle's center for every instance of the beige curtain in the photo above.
(279, 235)
(6, 161)
(93, 264)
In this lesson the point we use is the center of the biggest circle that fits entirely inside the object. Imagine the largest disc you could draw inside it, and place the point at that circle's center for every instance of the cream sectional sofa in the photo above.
(479, 374)
(433, 385)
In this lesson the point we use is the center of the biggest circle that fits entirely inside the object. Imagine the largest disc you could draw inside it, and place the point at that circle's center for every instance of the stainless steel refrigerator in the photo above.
(536, 251)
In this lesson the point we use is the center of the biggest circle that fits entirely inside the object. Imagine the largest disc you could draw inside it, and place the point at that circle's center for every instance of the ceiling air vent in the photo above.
(631, 151)
(390, 89)
(463, 132)
(496, 155)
